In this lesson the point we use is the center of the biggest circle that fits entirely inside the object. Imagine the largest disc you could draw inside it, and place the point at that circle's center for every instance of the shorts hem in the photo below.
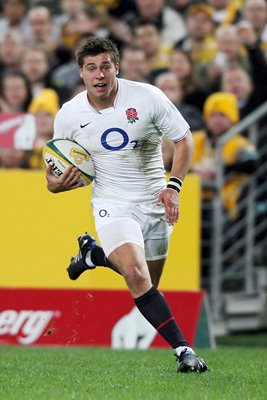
(109, 251)
(161, 257)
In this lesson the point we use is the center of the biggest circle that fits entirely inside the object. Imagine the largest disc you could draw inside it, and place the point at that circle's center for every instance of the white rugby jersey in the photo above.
(124, 141)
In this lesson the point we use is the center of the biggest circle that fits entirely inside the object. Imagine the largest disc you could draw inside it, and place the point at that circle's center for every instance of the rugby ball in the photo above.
(61, 153)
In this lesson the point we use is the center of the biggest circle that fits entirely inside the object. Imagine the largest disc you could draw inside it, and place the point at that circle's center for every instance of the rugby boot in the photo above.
(191, 362)
(78, 264)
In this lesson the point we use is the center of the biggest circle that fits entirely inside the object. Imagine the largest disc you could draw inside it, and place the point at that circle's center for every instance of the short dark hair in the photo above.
(97, 45)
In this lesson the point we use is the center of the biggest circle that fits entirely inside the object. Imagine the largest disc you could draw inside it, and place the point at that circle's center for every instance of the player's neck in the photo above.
(103, 103)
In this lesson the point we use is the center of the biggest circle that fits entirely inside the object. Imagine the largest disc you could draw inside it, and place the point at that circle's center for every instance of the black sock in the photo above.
(98, 257)
(155, 309)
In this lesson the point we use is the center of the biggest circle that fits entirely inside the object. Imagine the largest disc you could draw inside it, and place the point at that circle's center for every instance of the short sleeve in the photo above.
(60, 130)
(167, 117)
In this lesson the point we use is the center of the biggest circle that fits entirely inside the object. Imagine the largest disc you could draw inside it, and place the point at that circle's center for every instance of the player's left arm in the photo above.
(183, 152)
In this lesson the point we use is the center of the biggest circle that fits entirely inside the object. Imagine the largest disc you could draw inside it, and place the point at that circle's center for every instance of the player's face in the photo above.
(99, 76)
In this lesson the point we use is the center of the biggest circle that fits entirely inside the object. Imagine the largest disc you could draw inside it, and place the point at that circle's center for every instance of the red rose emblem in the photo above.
(131, 114)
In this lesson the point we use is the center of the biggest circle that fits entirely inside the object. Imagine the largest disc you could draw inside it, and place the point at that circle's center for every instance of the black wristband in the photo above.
(175, 184)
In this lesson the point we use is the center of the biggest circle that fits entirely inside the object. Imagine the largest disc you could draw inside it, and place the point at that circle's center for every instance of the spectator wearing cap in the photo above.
(199, 41)
(238, 154)
(239, 158)
(44, 108)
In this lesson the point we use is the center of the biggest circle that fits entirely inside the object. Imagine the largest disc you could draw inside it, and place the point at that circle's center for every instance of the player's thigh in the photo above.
(119, 232)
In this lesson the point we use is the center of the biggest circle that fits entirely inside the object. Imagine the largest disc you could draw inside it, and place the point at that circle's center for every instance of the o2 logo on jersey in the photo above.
(118, 135)
(109, 133)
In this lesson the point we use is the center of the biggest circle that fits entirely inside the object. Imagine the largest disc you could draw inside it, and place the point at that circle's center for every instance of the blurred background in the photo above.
(210, 59)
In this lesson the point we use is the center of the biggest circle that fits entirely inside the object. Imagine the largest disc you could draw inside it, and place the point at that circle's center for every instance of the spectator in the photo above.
(118, 8)
(17, 129)
(255, 12)
(120, 13)
(133, 64)
(199, 41)
(91, 21)
(77, 88)
(32, 133)
(182, 66)
(229, 51)
(239, 155)
(42, 31)
(239, 159)
(13, 158)
(14, 16)
(180, 5)
(225, 12)
(169, 21)
(15, 92)
(170, 85)
(250, 89)
(147, 36)
(36, 66)
(66, 22)
(44, 107)
(11, 51)
(68, 74)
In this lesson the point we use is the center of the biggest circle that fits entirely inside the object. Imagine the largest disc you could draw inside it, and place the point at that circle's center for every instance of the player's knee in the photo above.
(136, 275)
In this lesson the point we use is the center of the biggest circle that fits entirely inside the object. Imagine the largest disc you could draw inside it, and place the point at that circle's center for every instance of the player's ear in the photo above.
(117, 69)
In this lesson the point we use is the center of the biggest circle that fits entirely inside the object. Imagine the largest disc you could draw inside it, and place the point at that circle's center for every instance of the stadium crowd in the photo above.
(208, 57)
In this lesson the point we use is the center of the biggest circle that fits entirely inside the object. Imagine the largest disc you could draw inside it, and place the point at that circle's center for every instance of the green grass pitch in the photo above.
(104, 374)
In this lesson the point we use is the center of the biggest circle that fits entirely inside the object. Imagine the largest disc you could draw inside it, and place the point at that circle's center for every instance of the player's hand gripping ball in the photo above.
(62, 153)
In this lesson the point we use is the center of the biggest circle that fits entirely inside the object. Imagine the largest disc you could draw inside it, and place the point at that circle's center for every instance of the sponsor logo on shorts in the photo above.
(103, 213)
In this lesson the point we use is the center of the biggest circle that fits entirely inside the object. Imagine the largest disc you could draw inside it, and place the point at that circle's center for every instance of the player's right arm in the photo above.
(69, 180)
